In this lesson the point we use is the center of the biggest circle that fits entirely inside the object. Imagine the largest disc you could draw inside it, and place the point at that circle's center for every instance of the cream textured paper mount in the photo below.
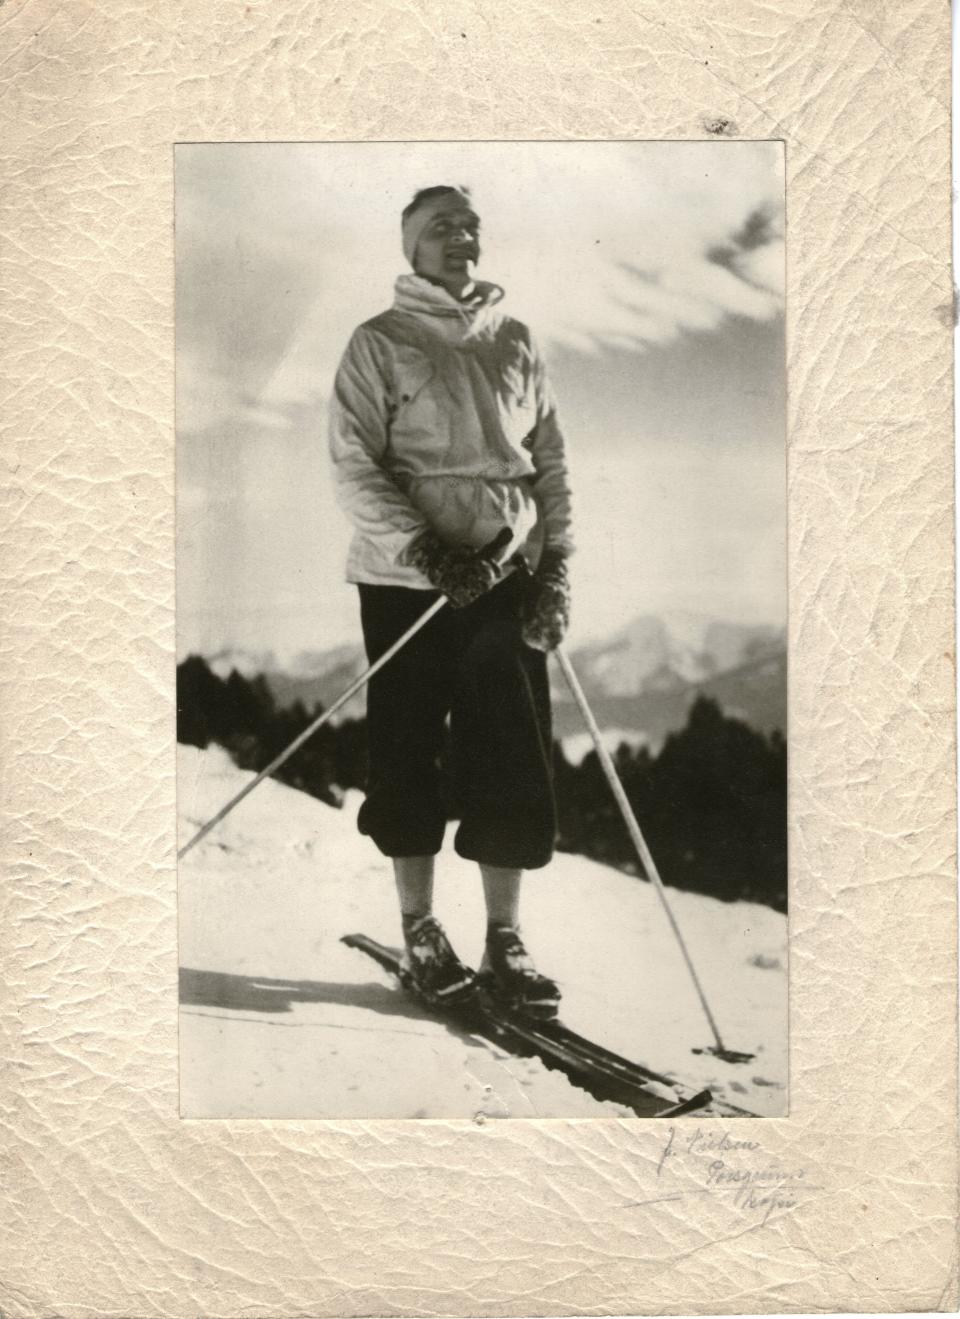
(113, 1206)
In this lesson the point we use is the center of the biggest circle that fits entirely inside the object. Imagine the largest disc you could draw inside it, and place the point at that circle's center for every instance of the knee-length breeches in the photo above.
(472, 665)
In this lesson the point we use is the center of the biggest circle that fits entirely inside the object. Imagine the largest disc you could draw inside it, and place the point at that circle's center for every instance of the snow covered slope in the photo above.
(279, 1019)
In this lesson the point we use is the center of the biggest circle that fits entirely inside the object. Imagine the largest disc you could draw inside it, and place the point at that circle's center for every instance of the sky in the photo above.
(651, 273)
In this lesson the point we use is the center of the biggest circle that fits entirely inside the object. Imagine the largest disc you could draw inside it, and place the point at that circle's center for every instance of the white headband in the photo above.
(415, 223)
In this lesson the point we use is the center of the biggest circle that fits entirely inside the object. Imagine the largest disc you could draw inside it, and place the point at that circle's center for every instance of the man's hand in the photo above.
(462, 574)
(546, 606)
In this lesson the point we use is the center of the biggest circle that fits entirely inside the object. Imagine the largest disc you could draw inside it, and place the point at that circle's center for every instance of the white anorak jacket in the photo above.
(442, 418)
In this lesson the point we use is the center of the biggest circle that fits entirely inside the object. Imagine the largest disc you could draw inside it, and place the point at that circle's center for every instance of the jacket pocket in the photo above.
(413, 373)
(420, 424)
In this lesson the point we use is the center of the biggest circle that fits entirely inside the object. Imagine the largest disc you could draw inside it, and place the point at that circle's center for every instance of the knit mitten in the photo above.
(546, 606)
(462, 574)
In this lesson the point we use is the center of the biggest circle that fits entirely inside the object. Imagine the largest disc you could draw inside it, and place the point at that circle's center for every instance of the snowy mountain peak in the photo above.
(248, 663)
(665, 651)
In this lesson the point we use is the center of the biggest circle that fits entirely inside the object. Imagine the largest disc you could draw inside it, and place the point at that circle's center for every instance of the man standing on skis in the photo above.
(445, 443)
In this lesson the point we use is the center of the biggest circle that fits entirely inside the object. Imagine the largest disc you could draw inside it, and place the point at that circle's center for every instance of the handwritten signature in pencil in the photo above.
(731, 1167)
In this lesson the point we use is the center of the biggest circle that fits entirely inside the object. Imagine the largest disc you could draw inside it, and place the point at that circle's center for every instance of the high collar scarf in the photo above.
(453, 320)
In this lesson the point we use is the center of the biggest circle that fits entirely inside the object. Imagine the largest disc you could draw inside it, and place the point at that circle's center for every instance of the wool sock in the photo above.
(409, 919)
(495, 928)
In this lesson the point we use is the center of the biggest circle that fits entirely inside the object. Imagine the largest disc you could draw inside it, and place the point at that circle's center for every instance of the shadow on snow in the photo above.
(215, 989)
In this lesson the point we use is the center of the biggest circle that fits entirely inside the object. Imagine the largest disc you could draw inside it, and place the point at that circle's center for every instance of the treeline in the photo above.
(712, 806)
(712, 803)
(240, 715)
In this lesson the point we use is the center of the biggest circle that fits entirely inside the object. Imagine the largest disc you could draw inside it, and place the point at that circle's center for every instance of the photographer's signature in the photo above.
(734, 1168)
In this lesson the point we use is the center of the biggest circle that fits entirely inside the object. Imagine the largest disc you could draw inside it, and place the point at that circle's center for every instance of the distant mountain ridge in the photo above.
(642, 679)
(666, 651)
(646, 676)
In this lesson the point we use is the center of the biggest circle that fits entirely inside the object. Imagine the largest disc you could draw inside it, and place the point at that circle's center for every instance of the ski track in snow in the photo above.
(279, 1019)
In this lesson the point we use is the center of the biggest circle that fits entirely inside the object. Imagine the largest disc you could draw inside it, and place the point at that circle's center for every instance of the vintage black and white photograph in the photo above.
(481, 629)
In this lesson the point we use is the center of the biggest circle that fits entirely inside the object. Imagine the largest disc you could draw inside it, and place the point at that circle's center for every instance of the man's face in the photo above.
(449, 247)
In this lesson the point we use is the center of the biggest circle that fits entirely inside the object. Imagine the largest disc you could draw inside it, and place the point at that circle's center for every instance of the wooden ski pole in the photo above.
(309, 731)
(643, 851)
